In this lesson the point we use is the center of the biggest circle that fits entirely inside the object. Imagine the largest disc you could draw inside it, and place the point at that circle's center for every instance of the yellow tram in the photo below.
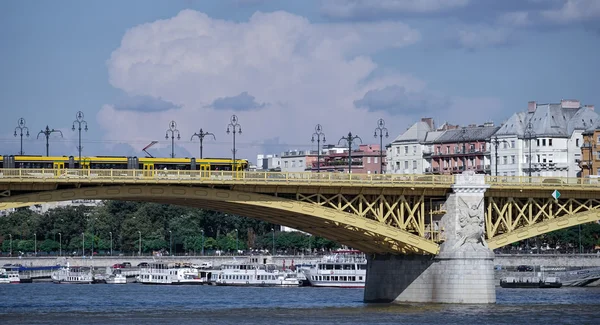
(121, 162)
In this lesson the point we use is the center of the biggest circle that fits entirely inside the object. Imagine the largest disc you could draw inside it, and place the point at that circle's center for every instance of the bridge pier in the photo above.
(463, 271)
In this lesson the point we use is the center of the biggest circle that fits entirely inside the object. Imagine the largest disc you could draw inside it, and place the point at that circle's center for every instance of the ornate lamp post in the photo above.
(379, 131)
(173, 130)
(201, 136)
(111, 243)
(21, 127)
(237, 242)
(34, 244)
(235, 128)
(496, 142)
(319, 133)
(349, 140)
(170, 243)
(529, 134)
(80, 121)
(59, 244)
(47, 134)
(273, 230)
(10, 235)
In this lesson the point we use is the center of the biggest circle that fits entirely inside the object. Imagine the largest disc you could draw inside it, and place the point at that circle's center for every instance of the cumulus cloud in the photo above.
(144, 104)
(574, 11)
(475, 37)
(308, 73)
(241, 102)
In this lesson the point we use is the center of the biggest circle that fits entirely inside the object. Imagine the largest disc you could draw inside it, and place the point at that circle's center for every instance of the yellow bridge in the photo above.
(373, 213)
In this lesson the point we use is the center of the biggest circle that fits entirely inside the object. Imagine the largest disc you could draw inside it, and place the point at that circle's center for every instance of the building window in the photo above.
(549, 142)
(368, 160)
(543, 142)
(398, 150)
(504, 160)
(414, 164)
(406, 164)
(577, 142)
(538, 142)
(375, 160)
(513, 159)
(286, 164)
(293, 163)
(414, 149)
(512, 143)
(504, 145)
(447, 149)
(405, 149)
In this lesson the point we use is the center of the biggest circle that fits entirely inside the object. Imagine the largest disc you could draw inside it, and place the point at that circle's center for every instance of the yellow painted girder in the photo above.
(361, 233)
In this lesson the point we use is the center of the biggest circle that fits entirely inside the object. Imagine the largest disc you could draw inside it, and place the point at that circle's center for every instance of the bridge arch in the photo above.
(346, 228)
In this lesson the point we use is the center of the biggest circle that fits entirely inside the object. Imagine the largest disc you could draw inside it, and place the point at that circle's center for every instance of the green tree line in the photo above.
(160, 227)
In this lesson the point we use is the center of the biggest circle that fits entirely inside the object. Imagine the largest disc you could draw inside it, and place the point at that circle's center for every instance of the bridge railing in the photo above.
(197, 176)
(549, 182)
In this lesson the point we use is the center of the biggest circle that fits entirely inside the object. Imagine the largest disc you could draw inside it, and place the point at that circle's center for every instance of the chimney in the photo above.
(488, 124)
(570, 103)
(591, 107)
(429, 122)
(531, 106)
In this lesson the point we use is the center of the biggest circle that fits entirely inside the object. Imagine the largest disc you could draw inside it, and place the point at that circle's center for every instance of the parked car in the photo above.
(126, 264)
(524, 268)
(118, 266)
(143, 264)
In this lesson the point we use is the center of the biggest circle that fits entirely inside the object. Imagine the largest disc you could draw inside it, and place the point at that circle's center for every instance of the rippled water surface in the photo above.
(43, 303)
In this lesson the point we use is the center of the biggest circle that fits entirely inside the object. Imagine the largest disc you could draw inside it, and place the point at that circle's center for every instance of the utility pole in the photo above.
(379, 130)
(201, 136)
(319, 133)
(350, 139)
(235, 128)
(140, 244)
(173, 130)
(21, 127)
(79, 121)
(47, 134)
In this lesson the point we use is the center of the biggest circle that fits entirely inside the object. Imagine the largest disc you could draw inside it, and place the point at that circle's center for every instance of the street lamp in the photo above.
(319, 133)
(59, 244)
(173, 130)
(47, 134)
(80, 121)
(170, 243)
(273, 230)
(235, 128)
(201, 136)
(237, 242)
(529, 134)
(21, 127)
(82, 244)
(10, 235)
(34, 244)
(463, 140)
(140, 244)
(202, 251)
(379, 131)
(111, 243)
(349, 139)
(496, 142)
(580, 248)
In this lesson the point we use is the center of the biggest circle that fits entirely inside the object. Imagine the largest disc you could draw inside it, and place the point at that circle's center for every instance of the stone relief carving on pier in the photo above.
(471, 222)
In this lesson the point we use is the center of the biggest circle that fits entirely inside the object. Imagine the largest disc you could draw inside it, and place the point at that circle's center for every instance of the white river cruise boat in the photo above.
(116, 277)
(165, 273)
(251, 273)
(9, 277)
(73, 275)
(342, 269)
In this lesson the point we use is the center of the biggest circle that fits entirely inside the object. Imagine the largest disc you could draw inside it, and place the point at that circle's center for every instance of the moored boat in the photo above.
(9, 277)
(530, 282)
(173, 274)
(250, 273)
(73, 275)
(342, 269)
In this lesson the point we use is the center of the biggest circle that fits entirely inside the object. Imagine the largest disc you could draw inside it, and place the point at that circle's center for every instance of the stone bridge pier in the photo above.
(462, 272)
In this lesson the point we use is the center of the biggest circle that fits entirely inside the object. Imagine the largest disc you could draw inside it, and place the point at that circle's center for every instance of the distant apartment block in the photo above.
(590, 157)
(367, 159)
(268, 162)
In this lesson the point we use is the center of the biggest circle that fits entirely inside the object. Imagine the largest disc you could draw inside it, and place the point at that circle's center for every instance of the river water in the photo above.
(47, 303)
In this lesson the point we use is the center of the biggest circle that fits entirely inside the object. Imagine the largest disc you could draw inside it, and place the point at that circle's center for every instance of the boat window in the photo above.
(329, 266)
(338, 267)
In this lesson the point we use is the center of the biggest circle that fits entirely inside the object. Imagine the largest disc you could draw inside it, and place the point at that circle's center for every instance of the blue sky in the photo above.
(282, 67)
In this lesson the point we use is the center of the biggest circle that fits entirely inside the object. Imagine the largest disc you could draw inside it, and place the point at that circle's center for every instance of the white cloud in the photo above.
(307, 73)
(514, 19)
(378, 8)
(574, 11)
(475, 37)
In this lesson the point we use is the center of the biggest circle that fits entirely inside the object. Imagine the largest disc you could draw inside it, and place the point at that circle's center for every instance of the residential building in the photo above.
(460, 149)
(544, 141)
(405, 154)
(590, 156)
(297, 160)
(268, 162)
(366, 159)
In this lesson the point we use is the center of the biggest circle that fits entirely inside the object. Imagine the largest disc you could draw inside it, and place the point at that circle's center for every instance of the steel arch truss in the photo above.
(346, 227)
(510, 219)
(399, 211)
